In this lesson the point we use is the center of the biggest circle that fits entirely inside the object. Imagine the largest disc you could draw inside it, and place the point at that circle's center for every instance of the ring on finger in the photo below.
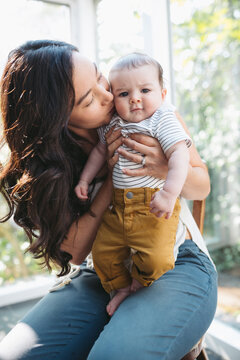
(143, 160)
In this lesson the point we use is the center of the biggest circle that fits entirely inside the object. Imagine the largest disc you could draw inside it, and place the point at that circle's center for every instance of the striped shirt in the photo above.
(162, 125)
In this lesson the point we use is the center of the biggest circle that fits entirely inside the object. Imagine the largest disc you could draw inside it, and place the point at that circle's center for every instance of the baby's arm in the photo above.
(164, 200)
(94, 164)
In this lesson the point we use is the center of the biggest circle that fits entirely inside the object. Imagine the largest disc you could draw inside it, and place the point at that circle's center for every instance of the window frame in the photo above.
(80, 10)
(158, 44)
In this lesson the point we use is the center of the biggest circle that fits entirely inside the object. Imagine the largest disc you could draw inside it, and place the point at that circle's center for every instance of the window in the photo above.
(121, 34)
(206, 47)
(22, 20)
(205, 42)
(140, 25)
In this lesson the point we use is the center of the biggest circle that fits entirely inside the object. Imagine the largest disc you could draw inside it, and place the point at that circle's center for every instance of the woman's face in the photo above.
(93, 102)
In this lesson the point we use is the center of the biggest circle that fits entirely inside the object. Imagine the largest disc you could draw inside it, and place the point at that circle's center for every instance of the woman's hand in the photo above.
(114, 140)
(155, 161)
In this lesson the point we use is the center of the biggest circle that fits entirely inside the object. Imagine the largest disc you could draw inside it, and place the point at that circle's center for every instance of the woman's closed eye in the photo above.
(90, 102)
(100, 77)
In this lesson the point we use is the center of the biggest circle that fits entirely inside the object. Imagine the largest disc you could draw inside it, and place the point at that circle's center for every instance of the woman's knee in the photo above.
(114, 349)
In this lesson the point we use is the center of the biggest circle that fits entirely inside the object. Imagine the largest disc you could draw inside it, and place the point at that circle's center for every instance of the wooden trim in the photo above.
(199, 213)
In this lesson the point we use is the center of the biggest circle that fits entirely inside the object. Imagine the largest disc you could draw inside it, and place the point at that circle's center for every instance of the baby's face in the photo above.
(137, 92)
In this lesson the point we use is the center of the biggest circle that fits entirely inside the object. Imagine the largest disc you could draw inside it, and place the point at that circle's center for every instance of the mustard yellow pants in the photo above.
(127, 225)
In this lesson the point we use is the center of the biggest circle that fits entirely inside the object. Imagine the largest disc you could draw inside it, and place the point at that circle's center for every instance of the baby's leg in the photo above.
(109, 252)
(154, 246)
(120, 295)
(136, 285)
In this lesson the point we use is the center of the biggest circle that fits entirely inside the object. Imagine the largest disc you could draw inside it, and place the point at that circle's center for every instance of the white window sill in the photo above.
(223, 340)
(26, 289)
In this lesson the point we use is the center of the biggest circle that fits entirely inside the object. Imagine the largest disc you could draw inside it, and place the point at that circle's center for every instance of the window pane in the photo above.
(206, 44)
(126, 30)
(22, 20)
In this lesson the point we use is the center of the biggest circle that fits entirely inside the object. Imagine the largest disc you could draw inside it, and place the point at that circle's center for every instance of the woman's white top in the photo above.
(187, 222)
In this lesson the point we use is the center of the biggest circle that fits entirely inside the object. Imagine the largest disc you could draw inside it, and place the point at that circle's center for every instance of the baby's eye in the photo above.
(145, 91)
(123, 94)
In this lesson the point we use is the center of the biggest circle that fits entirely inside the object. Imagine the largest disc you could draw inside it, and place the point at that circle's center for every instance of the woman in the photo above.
(52, 99)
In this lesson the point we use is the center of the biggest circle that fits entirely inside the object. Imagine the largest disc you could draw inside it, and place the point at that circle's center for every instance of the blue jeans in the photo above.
(162, 321)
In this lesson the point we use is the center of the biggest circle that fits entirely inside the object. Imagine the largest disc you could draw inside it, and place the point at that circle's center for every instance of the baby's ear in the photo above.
(164, 93)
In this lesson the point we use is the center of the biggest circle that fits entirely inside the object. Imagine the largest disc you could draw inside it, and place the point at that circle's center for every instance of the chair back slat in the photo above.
(198, 212)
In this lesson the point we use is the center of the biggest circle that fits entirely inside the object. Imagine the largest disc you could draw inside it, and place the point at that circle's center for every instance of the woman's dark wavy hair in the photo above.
(37, 97)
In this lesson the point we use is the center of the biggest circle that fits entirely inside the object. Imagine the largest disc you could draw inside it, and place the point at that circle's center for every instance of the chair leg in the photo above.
(203, 355)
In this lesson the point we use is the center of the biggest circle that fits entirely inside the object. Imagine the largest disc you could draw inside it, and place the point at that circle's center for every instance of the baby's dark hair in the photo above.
(135, 60)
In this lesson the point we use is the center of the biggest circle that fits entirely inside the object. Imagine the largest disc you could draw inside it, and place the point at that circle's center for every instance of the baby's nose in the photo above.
(135, 100)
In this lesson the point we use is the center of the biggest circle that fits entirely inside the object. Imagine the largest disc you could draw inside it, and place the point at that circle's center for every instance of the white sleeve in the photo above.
(102, 130)
(168, 130)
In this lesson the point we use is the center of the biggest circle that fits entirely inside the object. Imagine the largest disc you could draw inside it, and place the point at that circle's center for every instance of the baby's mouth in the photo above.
(136, 109)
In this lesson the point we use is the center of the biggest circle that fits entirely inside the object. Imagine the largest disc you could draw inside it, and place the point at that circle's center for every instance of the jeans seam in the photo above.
(207, 269)
(210, 286)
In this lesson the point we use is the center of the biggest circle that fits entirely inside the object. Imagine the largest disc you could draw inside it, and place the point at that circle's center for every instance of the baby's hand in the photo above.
(162, 203)
(81, 190)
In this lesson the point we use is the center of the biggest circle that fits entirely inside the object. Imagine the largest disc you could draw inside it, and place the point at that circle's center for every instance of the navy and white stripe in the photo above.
(164, 126)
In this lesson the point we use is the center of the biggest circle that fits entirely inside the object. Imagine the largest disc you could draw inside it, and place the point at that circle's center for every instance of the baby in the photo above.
(145, 211)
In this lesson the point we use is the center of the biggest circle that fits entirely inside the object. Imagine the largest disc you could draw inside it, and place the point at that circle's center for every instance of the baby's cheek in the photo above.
(117, 103)
(120, 108)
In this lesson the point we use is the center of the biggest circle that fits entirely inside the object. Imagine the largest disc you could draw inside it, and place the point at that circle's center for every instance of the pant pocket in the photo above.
(197, 256)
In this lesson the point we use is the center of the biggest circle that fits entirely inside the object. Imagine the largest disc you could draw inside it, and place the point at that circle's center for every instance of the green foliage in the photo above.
(207, 71)
(14, 262)
(226, 258)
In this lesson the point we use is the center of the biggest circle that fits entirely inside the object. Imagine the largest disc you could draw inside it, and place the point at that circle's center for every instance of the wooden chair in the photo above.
(198, 211)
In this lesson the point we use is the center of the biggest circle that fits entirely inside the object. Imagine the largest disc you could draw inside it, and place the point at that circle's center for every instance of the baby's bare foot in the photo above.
(136, 285)
(117, 299)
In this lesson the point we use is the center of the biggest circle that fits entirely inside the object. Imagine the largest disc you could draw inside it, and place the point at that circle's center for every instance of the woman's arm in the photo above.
(197, 184)
(82, 233)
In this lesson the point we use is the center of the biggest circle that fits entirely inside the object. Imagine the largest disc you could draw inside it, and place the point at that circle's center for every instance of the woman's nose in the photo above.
(107, 96)
(103, 92)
